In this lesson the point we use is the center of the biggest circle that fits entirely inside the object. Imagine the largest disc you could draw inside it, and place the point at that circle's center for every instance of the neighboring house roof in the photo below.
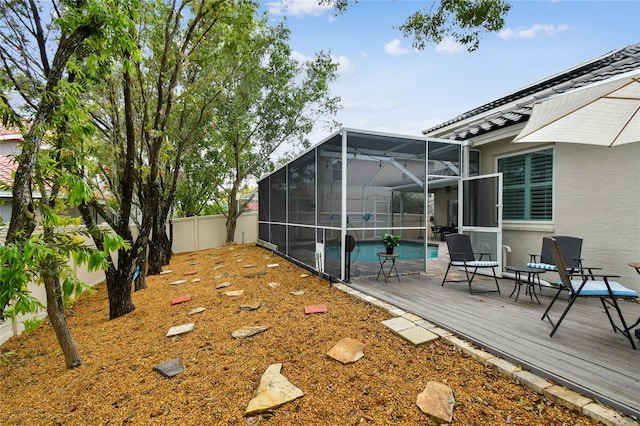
(7, 167)
(516, 107)
(12, 133)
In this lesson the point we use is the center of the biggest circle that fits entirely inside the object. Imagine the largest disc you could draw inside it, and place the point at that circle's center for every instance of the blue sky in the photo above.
(387, 86)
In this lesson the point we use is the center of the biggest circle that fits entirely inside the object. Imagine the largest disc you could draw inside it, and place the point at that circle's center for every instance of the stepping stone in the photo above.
(193, 263)
(257, 274)
(180, 299)
(217, 277)
(191, 272)
(180, 329)
(196, 311)
(273, 391)
(218, 267)
(398, 324)
(315, 309)
(437, 401)
(196, 280)
(250, 306)
(170, 368)
(250, 265)
(347, 350)
(273, 285)
(304, 275)
(223, 285)
(266, 257)
(168, 271)
(239, 260)
(248, 331)
(418, 335)
(234, 293)
(178, 282)
(273, 265)
(297, 293)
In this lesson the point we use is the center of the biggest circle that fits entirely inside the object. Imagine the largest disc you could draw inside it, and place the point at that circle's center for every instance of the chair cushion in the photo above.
(599, 288)
(545, 266)
(482, 264)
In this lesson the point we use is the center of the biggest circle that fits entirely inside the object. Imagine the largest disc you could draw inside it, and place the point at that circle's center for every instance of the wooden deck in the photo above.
(584, 355)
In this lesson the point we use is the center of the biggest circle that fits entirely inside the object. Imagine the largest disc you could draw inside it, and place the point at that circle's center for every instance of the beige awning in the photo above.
(604, 113)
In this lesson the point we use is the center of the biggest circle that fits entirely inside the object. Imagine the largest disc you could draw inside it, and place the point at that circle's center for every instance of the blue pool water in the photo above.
(365, 251)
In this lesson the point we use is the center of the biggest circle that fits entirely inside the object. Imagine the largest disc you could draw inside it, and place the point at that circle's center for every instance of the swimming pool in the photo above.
(365, 251)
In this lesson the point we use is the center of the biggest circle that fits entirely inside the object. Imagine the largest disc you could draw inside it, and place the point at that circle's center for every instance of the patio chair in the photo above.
(588, 286)
(570, 247)
(461, 254)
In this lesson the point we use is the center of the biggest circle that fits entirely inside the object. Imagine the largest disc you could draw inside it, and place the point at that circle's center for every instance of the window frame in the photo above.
(553, 185)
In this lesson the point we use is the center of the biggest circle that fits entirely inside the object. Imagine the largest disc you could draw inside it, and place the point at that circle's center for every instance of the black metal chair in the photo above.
(588, 286)
(570, 247)
(461, 254)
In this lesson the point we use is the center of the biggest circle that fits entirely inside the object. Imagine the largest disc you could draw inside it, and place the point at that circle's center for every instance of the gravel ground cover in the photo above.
(116, 383)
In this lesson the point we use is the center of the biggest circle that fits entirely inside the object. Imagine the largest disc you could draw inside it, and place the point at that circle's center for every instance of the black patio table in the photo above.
(532, 273)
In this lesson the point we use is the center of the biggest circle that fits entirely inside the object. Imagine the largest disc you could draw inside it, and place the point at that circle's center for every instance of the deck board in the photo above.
(584, 354)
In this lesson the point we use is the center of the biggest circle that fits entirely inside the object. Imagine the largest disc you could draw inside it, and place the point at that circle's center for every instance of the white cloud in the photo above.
(449, 45)
(297, 8)
(345, 66)
(394, 48)
(300, 57)
(532, 32)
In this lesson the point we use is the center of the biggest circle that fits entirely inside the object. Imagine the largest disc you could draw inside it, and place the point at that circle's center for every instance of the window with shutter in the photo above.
(527, 186)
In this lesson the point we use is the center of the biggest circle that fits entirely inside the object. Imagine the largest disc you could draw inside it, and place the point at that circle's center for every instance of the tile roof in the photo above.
(9, 133)
(516, 107)
(7, 167)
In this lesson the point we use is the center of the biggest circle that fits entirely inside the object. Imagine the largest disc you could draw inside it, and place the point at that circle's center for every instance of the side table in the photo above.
(382, 258)
(532, 273)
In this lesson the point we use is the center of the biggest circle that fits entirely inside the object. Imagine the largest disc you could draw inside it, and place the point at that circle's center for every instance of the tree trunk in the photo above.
(232, 218)
(140, 282)
(155, 255)
(160, 244)
(168, 249)
(119, 286)
(55, 309)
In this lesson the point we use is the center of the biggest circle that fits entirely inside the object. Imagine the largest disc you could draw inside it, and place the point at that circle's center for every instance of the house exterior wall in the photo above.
(596, 197)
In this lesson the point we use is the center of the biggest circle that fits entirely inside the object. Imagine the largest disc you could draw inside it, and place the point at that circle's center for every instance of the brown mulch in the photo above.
(116, 383)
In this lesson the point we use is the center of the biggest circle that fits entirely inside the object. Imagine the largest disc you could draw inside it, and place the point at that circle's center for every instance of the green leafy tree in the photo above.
(150, 112)
(46, 51)
(463, 20)
(269, 101)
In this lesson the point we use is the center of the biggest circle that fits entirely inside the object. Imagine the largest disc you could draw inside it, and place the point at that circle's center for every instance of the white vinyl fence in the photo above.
(190, 234)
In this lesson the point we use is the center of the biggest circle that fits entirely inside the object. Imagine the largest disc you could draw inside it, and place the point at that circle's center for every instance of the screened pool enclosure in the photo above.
(328, 208)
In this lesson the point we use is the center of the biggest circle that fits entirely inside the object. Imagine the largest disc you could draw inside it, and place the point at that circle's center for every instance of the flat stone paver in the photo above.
(347, 350)
(418, 335)
(315, 309)
(248, 331)
(170, 368)
(273, 391)
(178, 282)
(190, 273)
(180, 329)
(196, 311)
(181, 299)
(398, 324)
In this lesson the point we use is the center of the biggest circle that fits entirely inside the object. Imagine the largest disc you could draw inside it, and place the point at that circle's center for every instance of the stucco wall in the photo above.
(596, 197)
